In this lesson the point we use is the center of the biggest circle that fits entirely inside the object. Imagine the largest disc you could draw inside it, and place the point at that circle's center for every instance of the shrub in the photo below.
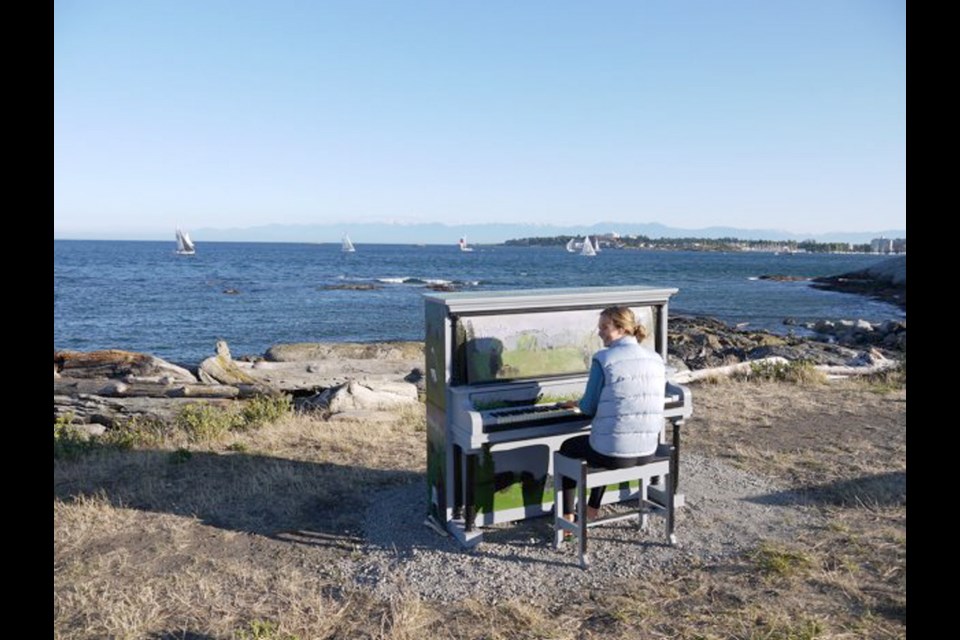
(69, 441)
(263, 410)
(137, 432)
(203, 422)
(208, 423)
(795, 371)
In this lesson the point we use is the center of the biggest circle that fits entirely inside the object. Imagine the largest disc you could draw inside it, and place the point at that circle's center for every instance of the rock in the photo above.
(91, 429)
(114, 363)
(417, 378)
(782, 278)
(703, 343)
(315, 351)
(886, 281)
(893, 270)
(349, 287)
(221, 369)
(354, 396)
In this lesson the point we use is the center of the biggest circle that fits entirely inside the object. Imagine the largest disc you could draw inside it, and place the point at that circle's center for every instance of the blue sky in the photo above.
(746, 113)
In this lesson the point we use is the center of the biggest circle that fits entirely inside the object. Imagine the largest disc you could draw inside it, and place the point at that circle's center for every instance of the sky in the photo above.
(788, 114)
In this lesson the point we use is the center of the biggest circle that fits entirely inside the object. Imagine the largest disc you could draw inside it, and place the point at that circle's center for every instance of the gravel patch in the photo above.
(727, 511)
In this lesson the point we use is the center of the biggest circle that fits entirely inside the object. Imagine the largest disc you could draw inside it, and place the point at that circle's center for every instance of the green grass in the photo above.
(263, 630)
(774, 561)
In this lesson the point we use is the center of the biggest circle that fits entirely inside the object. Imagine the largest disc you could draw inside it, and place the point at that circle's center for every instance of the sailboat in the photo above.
(463, 244)
(185, 246)
(347, 246)
(588, 249)
(572, 245)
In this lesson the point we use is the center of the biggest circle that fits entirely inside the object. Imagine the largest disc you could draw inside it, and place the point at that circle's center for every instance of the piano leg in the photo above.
(457, 482)
(675, 458)
(471, 504)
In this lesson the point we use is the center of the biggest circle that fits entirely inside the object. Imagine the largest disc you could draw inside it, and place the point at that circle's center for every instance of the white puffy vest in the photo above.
(629, 415)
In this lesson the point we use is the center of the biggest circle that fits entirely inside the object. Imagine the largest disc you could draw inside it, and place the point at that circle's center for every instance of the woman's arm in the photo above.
(591, 395)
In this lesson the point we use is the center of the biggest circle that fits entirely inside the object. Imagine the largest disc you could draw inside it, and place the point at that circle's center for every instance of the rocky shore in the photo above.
(105, 389)
(885, 281)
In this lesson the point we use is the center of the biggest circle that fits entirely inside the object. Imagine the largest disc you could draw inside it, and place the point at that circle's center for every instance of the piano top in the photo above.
(552, 299)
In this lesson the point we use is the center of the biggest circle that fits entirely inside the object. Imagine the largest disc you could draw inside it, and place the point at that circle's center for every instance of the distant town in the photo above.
(883, 246)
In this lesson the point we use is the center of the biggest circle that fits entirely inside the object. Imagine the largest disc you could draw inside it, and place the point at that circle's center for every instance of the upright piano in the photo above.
(499, 366)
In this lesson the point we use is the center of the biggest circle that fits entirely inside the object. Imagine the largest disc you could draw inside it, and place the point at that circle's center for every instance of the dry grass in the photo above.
(242, 538)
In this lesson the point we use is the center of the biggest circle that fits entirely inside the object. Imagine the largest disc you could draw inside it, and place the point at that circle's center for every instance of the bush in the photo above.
(208, 423)
(203, 422)
(264, 410)
(795, 371)
(69, 441)
(136, 432)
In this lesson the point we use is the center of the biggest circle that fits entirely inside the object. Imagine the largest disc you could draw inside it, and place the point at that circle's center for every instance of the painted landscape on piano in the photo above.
(512, 346)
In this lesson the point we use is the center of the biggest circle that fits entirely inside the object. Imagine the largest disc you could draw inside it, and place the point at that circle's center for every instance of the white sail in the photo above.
(463, 244)
(572, 245)
(347, 245)
(185, 246)
(588, 249)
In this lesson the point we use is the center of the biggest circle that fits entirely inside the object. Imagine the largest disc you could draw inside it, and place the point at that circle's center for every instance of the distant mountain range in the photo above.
(492, 233)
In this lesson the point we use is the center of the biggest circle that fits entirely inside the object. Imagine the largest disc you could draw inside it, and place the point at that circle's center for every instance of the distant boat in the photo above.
(185, 246)
(347, 246)
(572, 245)
(463, 244)
(587, 249)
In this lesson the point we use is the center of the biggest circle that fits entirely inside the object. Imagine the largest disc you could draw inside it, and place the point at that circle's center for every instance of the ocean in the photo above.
(140, 296)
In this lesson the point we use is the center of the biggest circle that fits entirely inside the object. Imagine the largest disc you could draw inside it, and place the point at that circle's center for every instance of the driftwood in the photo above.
(835, 371)
(684, 377)
(112, 412)
(115, 363)
(121, 389)
(831, 371)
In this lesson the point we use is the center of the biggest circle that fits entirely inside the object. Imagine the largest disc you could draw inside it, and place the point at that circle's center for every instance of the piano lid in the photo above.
(562, 298)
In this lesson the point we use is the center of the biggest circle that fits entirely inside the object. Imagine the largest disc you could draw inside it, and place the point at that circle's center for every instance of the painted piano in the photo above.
(499, 364)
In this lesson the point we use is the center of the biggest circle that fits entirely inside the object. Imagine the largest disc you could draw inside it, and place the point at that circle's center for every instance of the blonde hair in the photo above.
(623, 319)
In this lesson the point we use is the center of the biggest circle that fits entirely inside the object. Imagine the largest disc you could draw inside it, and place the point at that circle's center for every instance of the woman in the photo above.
(624, 395)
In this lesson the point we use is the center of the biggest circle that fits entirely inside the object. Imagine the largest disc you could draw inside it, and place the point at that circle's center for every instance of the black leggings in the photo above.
(579, 447)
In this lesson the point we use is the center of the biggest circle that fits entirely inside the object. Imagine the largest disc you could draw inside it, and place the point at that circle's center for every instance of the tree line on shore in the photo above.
(698, 244)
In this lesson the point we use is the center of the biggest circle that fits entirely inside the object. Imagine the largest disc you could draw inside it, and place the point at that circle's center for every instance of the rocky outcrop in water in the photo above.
(885, 281)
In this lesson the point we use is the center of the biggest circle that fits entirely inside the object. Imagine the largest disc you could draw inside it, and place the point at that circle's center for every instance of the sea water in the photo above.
(141, 296)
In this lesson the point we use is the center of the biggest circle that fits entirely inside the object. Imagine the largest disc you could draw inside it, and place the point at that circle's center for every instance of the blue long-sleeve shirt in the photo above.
(591, 395)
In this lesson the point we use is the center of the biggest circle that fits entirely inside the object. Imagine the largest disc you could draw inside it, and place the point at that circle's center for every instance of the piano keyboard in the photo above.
(512, 417)
(500, 419)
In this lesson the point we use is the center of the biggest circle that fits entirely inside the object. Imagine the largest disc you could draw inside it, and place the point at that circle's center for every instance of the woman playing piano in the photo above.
(624, 395)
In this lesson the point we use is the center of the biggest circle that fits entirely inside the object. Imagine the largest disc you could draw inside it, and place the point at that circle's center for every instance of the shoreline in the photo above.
(886, 281)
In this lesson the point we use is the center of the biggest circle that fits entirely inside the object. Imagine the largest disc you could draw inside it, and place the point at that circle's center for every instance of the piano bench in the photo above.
(588, 477)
